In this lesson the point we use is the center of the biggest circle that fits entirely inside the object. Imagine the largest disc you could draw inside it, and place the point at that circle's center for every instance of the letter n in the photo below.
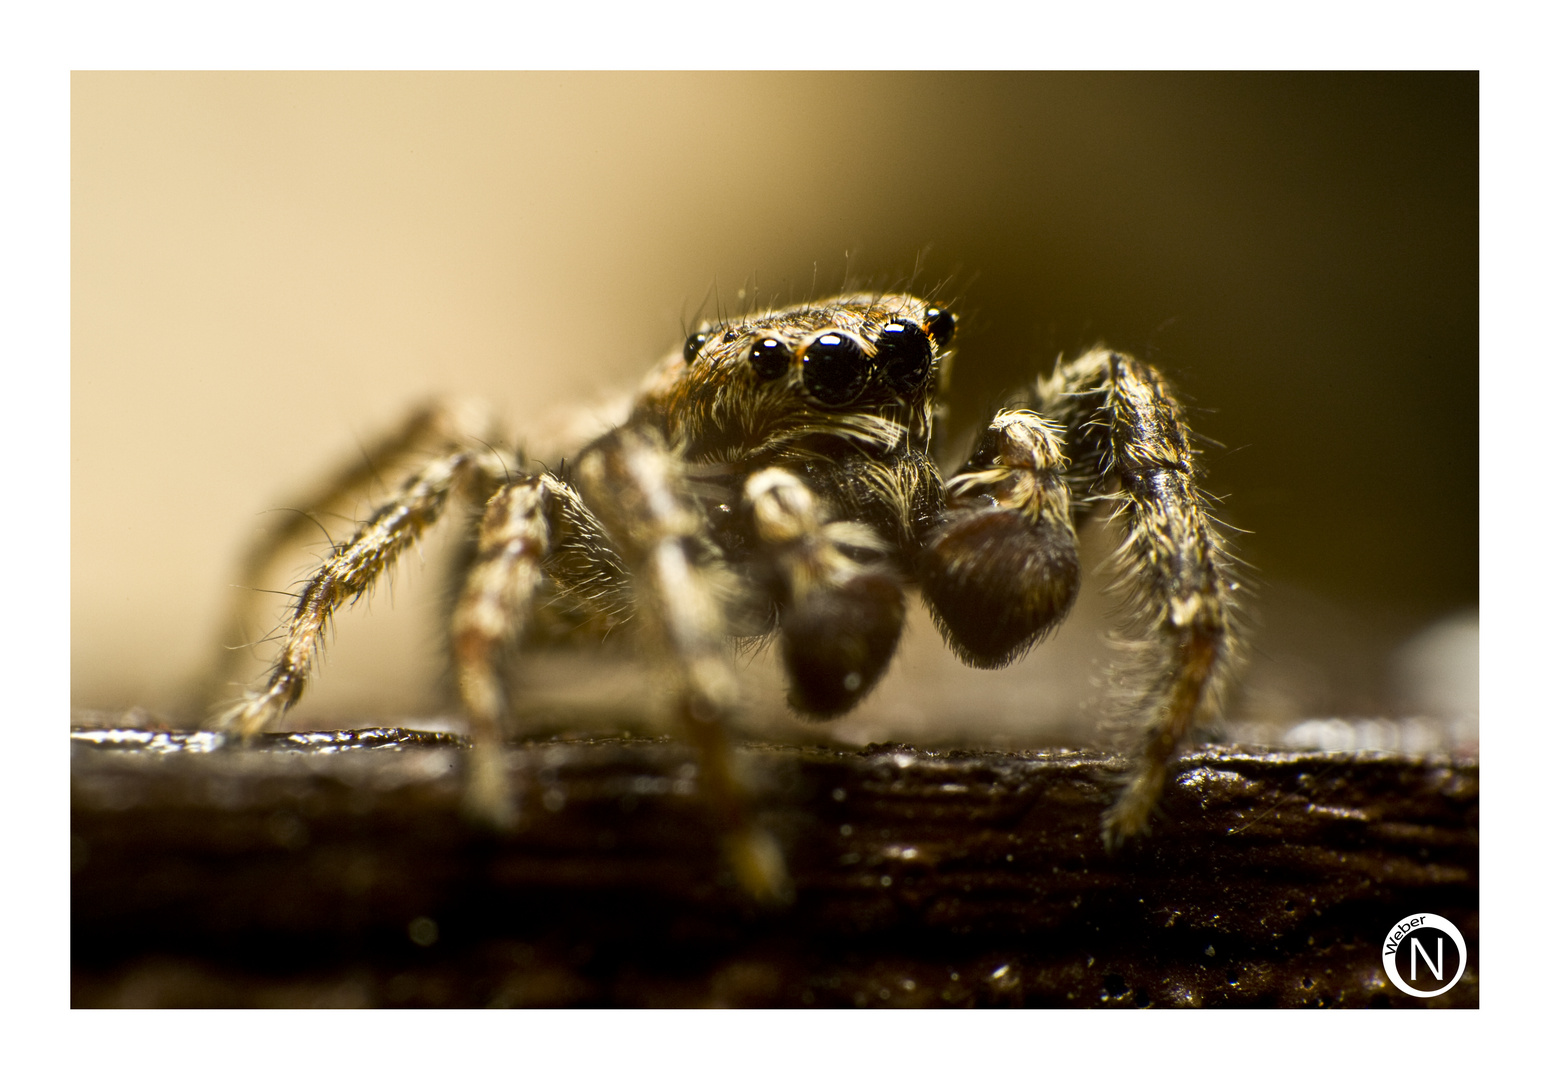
(1415, 947)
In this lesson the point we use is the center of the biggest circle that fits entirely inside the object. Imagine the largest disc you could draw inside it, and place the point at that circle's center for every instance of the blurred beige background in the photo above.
(270, 268)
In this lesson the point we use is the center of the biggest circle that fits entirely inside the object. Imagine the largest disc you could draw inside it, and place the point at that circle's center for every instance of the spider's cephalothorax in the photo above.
(806, 435)
(776, 477)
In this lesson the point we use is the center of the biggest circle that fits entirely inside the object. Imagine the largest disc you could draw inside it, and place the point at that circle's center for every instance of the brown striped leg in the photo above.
(636, 487)
(348, 573)
(531, 530)
(437, 428)
(1129, 442)
(1001, 569)
(841, 616)
(492, 610)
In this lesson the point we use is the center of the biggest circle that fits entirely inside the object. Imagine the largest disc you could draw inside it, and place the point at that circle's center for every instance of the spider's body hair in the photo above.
(776, 478)
(588, 590)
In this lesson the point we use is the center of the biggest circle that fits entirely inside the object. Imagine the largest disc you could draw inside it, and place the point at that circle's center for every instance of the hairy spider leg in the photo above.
(493, 606)
(436, 427)
(350, 572)
(841, 602)
(533, 530)
(637, 488)
(1130, 446)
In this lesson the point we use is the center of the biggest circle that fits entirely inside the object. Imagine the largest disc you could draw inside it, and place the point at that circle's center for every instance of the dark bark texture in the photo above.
(334, 869)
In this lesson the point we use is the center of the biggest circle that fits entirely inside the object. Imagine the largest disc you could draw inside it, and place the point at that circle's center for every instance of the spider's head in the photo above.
(863, 368)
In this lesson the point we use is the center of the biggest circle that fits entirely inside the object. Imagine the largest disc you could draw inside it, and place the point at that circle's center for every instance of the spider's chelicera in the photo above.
(776, 478)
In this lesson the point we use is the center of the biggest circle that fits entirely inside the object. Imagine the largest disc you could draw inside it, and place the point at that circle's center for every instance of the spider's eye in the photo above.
(940, 324)
(693, 346)
(903, 355)
(835, 369)
(770, 357)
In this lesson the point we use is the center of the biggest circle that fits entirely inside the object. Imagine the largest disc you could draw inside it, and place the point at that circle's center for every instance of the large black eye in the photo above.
(770, 357)
(940, 325)
(835, 369)
(903, 356)
(693, 346)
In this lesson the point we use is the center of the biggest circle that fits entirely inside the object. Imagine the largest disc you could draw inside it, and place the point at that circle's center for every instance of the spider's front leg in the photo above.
(1129, 443)
(636, 487)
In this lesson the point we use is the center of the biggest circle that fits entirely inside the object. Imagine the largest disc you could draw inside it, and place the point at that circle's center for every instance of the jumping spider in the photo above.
(776, 478)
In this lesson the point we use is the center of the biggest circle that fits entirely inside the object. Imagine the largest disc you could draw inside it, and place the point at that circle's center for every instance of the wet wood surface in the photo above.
(334, 870)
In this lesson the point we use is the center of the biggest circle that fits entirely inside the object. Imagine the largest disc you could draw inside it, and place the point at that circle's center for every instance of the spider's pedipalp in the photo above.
(1000, 570)
(840, 616)
(1129, 442)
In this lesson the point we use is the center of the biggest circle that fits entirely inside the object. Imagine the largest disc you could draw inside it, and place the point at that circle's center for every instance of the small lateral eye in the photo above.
(770, 357)
(835, 369)
(940, 325)
(694, 344)
(903, 355)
